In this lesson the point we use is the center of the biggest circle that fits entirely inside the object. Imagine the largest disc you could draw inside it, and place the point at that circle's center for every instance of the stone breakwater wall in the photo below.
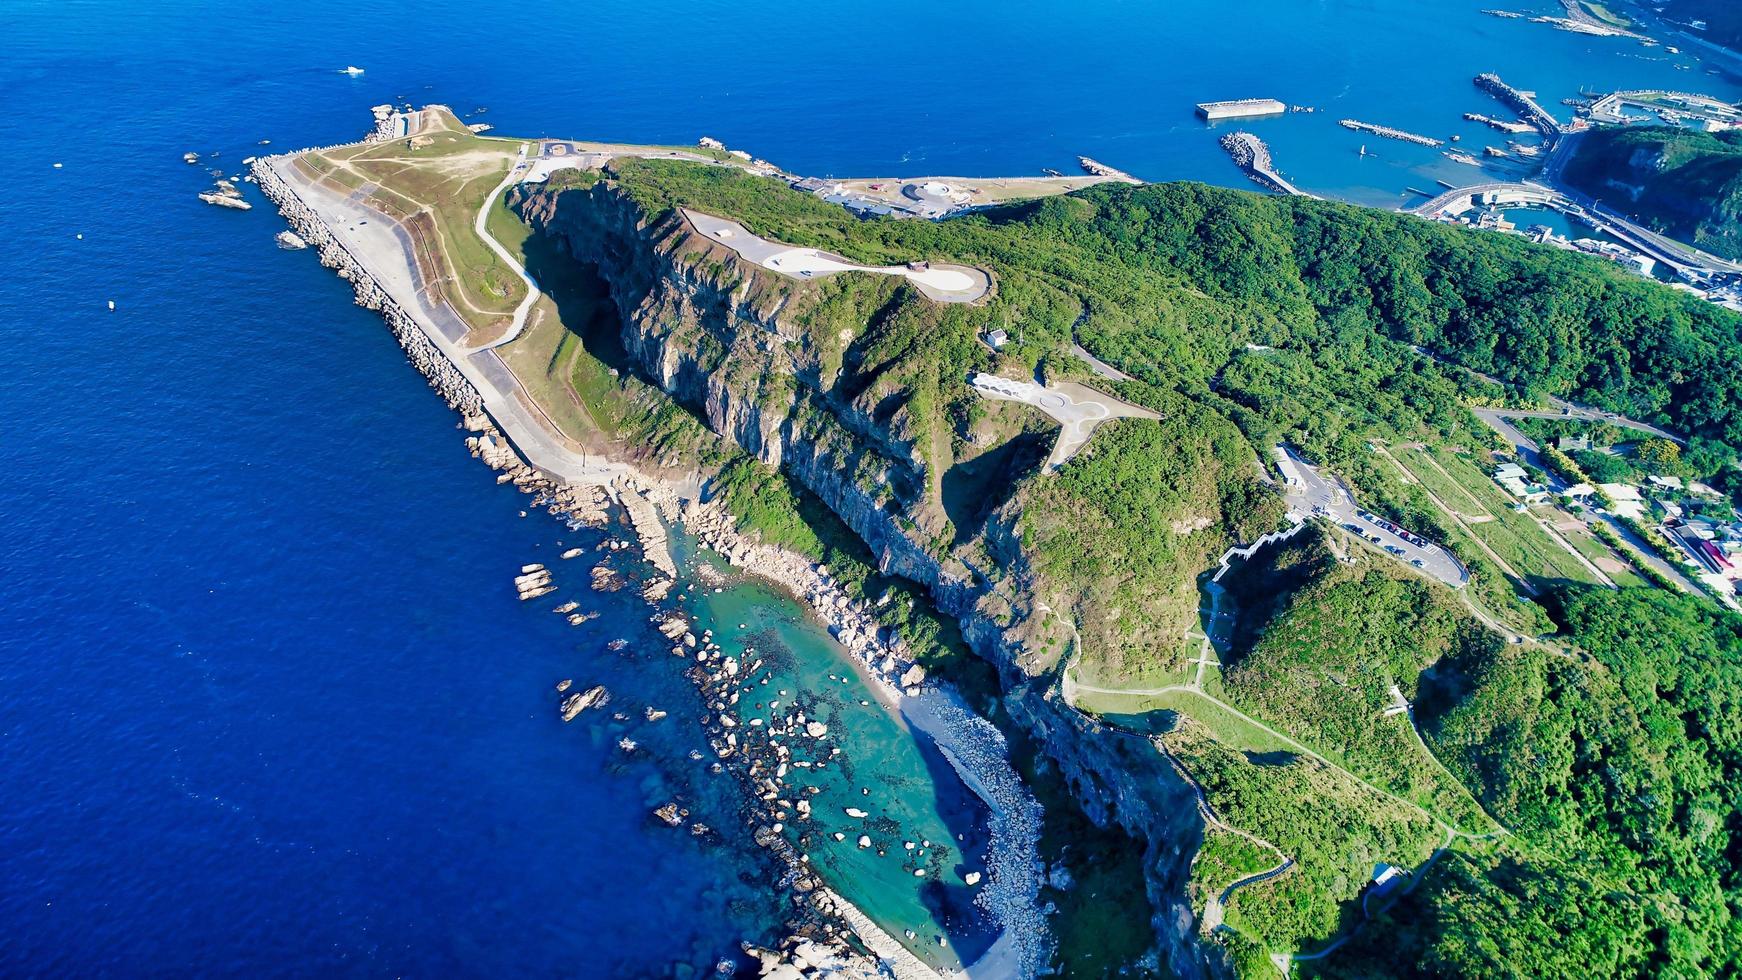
(443, 376)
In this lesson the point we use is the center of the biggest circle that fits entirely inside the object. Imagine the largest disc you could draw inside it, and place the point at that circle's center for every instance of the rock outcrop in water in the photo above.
(683, 320)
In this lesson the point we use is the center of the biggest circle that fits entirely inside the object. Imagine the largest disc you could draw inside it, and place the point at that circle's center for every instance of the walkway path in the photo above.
(382, 247)
(942, 283)
(516, 173)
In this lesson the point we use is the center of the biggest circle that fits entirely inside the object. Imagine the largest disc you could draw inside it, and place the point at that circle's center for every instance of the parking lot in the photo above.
(1319, 496)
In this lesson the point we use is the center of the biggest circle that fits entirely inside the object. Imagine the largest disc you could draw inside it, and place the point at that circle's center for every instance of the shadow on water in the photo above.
(951, 903)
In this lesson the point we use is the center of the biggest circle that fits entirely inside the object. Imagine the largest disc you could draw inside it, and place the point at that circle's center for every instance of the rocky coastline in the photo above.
(685, 312)
(819, 948)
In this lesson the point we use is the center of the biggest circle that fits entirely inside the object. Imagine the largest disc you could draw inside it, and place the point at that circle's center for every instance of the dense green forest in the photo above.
(1247, 320)
(1616, 770)
(1680, 182)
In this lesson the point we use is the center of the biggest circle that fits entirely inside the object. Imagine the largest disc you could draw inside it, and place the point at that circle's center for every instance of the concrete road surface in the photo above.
(943, 283)
(1317, 495)
(1077, 408)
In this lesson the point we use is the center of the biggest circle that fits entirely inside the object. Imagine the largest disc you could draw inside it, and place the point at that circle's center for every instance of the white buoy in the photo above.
(80, 236)
(111, 305)
(57, 166)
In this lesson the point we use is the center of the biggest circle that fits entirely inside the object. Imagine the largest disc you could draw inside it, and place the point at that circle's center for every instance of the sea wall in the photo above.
(696, 323)
(441, 373)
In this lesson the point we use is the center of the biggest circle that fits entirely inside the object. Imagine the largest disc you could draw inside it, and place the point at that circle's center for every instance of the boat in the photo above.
(352, 70)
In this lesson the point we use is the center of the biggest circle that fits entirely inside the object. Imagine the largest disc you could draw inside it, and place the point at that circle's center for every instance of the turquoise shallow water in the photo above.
(869, 761)
(267, 701)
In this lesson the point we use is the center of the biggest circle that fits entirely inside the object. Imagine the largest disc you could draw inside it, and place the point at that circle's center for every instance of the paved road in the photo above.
(1567, 410)
(1318, 495)
(943, 283)
(516, 174)
(1077, 408)
(1097, 365)
(379, 245)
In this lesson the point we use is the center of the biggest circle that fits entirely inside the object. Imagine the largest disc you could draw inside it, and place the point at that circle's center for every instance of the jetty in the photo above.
(1521, 102)
(1390, 133)
(1252, 156)
(1099, 169)
(1503, 125)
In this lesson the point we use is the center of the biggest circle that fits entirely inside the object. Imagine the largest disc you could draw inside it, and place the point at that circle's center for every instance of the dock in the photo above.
(1390, 133)
(1240, 109)
(1501, 124)
(1518, 101)
(1100, 169)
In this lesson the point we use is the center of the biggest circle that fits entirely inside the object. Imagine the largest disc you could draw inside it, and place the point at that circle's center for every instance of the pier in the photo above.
(1390, 133)
(1501, 124)
(1100, 169)
(1252, 156)
(1523, 104)
(1240, 109)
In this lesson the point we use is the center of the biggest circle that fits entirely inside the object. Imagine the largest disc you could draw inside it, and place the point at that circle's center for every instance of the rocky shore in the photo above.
(973, 746)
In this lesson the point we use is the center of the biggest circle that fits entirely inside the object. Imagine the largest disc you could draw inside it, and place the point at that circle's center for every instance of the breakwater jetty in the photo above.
(1099, 169)
(1252, 156)
(1390, 133)
(1520, 102)
(1505, 126)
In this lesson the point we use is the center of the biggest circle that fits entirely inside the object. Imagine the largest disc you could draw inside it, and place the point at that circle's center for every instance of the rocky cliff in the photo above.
(744, 350)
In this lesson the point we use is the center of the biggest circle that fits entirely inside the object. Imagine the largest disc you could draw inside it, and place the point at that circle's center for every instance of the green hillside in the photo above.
(1570, 789)
(1682, 183)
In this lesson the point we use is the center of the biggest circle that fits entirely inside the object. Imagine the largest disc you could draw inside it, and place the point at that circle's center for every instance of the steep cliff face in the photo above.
(748, 351)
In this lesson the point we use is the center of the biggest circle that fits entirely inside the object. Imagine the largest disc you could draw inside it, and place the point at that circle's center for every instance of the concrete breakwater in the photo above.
(419, 349)
(1252, 156)
(1390, 133)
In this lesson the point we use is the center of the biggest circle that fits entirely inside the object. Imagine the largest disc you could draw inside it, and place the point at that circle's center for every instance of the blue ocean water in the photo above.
(267, 701)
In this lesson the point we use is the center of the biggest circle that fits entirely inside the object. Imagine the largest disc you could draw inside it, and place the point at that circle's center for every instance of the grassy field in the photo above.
(436, 188)
(1516, 537)
(1333, 827)
(1157, 714)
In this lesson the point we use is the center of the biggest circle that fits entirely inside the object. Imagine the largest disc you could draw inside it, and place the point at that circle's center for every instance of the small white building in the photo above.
(1286, 465)
(998, 338)
(1665, 482)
